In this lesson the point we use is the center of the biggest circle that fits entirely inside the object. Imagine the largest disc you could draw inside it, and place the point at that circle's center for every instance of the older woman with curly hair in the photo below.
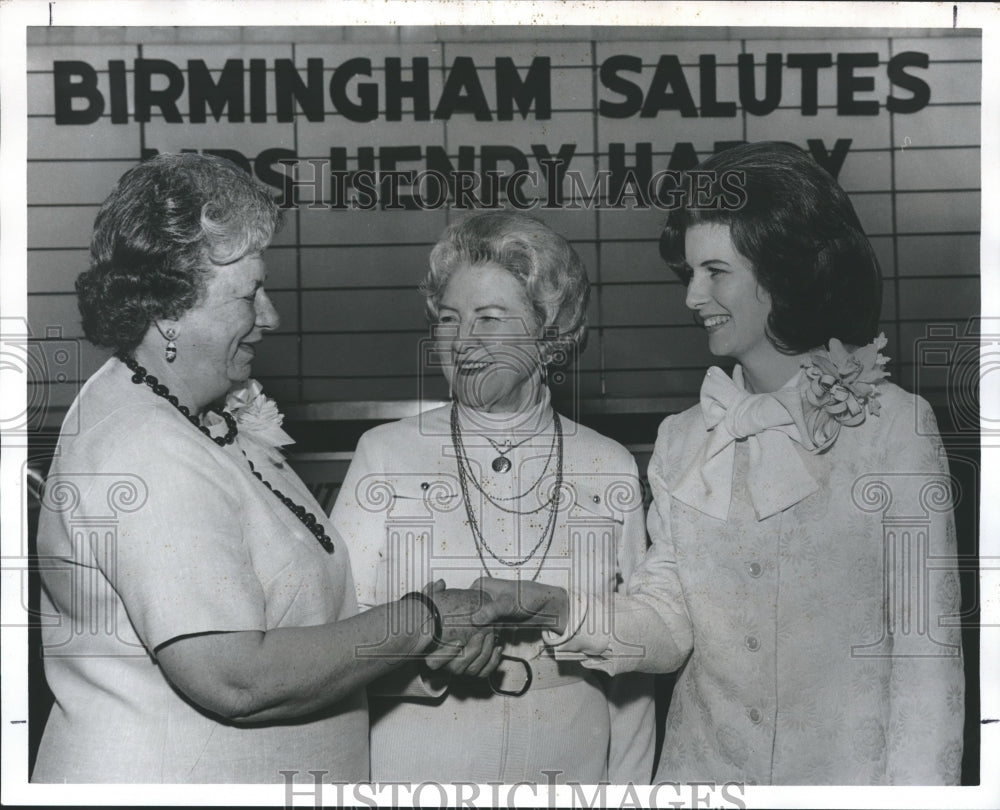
(209, 629)
(802, 572)
(499, 483)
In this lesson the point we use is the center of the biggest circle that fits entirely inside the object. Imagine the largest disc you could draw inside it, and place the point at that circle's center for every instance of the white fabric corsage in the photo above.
(841, 388)
(258, 418)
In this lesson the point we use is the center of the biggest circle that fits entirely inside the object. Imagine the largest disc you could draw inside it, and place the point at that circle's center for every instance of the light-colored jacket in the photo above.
(402, 514)
(819, 645)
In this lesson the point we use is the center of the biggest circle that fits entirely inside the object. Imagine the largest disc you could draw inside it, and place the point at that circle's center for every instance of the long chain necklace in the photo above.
(465, 472)
(497, 500)
(308, 519)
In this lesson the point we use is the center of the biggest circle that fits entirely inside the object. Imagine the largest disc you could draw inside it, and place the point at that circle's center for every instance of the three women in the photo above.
(774, 582)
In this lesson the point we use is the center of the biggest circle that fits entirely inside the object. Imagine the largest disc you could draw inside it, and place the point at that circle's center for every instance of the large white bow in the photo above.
(777, 478)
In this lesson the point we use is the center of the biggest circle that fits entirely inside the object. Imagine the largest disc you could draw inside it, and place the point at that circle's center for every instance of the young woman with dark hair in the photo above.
(802, 569)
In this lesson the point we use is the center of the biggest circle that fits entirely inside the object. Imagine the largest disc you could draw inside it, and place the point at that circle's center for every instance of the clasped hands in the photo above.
(472, 618)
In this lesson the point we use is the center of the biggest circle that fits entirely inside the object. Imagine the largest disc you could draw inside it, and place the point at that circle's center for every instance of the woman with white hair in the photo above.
(499, 484)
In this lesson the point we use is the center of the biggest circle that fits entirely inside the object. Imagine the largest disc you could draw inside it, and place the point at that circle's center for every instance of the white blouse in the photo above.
(150, 531)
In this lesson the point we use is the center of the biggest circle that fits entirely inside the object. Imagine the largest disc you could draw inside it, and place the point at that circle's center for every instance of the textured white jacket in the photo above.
(818, 645)
(402, 515)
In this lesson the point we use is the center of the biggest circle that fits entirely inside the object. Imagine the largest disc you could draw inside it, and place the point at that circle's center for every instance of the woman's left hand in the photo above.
(469, 645)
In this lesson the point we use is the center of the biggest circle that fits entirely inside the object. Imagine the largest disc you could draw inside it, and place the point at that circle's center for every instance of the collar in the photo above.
(771, 424)
(512, 425)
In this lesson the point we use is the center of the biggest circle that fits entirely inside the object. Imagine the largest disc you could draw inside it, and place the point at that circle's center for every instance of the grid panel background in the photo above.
(345, 281)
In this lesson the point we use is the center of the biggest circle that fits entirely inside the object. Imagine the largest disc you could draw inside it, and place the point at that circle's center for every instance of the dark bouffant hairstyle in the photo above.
(803, 239)
(553, 276)
(155, 238)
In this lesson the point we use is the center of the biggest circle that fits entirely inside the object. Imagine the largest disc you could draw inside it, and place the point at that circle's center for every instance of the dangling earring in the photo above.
(170, 353)
(546, 354)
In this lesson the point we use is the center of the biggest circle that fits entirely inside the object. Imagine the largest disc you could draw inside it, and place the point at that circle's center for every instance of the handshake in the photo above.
(467, 623)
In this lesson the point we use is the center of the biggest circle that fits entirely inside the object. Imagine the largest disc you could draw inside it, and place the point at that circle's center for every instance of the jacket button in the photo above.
(755, 715)
(755, 569)
(753, 643)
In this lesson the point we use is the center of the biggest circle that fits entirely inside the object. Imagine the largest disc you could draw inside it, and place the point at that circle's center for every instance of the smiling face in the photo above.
(724, 293)
(490, 334)
(216, 338)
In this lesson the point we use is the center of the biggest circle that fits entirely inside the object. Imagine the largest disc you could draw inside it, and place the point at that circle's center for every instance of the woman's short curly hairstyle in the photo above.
(155, 238)
(553, 276)
(803, 238)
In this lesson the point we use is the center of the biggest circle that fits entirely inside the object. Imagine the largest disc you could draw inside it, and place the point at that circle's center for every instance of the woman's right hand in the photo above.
(526, 603)
(468, 644)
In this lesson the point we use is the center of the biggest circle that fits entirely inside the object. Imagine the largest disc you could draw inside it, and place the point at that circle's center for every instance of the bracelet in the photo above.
(428, 603)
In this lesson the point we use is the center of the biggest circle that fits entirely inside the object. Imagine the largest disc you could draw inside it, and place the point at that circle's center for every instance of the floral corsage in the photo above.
(258, 418)
(841, 388)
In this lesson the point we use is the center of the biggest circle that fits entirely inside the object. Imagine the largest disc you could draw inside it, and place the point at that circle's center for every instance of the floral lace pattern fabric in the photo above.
(794, 675)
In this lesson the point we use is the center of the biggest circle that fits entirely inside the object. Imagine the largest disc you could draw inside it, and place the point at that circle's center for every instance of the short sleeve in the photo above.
(178, 560)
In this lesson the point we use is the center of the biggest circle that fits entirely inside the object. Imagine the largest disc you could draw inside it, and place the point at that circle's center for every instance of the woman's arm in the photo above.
(287, 672)
(182, 569)
(631, 695)
(646, 629)
(927, 682)
(359, 515)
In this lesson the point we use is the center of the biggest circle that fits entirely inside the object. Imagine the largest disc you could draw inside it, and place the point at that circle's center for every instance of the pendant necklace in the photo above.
(501, 463)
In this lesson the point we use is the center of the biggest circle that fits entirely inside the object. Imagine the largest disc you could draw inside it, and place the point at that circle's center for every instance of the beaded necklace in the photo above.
(307, 518)
(140, 376)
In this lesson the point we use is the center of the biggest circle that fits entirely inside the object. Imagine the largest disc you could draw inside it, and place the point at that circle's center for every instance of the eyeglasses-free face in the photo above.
(491, 335)
(725, 296)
